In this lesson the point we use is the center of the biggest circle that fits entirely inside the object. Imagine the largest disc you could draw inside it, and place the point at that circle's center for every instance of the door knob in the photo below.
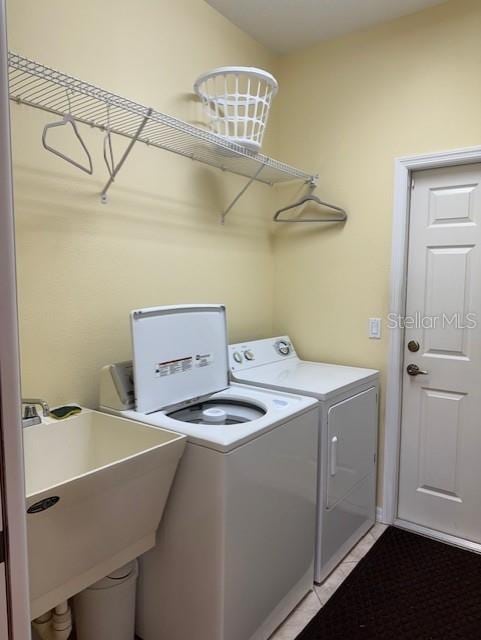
(414, 370)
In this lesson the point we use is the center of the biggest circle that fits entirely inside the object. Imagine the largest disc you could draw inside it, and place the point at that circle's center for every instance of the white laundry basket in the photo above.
(237, 101)
(106, 610)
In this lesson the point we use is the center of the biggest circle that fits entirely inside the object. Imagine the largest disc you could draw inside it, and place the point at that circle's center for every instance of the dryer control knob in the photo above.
(237, 356)
(283, 347)
(249, 355)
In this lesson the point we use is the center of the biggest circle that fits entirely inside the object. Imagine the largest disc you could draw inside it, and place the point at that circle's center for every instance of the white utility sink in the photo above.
(96, 489)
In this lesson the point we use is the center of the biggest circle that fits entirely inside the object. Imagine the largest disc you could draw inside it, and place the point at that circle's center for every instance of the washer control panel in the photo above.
(245, 355)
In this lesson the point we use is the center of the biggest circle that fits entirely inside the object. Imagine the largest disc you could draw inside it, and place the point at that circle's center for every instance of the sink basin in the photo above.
(96, 489)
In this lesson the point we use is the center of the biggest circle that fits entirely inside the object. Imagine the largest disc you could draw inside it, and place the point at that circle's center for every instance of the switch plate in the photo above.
(375, 328)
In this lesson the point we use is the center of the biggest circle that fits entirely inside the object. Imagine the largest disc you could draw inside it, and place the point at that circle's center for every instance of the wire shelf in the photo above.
(44, 88)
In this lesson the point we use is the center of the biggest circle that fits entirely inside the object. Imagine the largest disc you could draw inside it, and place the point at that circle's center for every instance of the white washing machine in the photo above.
(235, 550)
(347, 437)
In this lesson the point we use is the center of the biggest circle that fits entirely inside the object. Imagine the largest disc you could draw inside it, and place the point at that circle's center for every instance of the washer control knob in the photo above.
(249, 355)
(237, 355)
(283, 348)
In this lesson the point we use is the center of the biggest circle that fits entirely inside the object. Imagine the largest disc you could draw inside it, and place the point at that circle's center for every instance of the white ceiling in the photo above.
(285, 25)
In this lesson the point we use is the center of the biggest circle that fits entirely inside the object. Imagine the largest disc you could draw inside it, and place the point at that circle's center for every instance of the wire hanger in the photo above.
(68, 119)
(108, 149)
(340, 217)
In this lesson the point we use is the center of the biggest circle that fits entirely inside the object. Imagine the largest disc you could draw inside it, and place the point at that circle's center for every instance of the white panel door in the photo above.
(440, 465)
(11, 455)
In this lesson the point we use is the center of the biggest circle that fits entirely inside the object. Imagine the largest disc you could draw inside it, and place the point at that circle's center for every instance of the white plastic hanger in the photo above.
(340, 217)
(68, 119)
(108, 149)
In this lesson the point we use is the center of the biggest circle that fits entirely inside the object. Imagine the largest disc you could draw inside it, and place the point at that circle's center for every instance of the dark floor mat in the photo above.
(407, 587)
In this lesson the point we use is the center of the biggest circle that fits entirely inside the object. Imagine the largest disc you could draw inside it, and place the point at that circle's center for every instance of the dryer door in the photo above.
(352, 442)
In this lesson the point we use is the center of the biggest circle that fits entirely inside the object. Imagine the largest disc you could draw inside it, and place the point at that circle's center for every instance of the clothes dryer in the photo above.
(348, 431)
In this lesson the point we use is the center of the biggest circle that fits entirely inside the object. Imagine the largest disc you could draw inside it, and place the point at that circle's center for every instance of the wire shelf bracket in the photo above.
(118, 166)
(240, 194)
(41, 87)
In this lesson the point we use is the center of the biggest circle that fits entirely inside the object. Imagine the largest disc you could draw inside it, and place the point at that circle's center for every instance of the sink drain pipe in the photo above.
(55, 624)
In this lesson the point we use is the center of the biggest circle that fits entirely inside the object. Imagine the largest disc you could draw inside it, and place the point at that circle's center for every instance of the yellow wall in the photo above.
(82, 266)
(348, 107)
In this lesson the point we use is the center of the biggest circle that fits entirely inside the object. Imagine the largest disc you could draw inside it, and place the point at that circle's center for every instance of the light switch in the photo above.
(375, 328)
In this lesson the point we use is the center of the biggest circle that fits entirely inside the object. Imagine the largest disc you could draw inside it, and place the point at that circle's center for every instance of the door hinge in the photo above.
(413, 182)
(375, 458)
(3, 551)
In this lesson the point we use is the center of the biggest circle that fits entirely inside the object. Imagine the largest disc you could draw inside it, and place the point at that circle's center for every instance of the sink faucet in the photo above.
(30, 415)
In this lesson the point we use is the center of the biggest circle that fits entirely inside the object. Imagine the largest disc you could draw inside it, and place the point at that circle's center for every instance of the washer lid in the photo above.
(179, 353)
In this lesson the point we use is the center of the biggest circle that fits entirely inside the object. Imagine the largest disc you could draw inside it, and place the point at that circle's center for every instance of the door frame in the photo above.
(11, 445)
(403, 169)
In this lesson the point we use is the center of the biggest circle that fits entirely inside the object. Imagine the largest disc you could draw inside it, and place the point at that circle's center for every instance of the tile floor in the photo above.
(314, 601)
